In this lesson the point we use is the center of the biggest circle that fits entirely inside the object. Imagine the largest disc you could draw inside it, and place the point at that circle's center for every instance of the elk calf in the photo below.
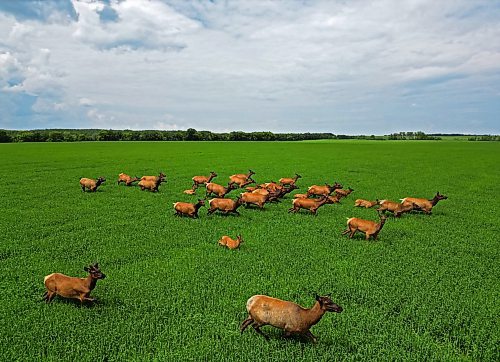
(424, 204)
(365, 203)
(70, 287)
(188, 209)
(288, 316)
(370, 228)
(231, 243)
(91, 184)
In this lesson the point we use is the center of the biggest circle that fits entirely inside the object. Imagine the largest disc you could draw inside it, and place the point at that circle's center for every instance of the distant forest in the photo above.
(78, 135)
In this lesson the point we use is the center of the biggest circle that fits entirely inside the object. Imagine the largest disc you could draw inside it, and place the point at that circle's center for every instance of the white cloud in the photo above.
(346, 67)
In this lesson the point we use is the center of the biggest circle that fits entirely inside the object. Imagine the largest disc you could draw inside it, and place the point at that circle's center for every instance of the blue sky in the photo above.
(347, 67)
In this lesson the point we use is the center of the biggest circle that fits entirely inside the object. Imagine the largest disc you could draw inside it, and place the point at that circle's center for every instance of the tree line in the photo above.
(191, 134)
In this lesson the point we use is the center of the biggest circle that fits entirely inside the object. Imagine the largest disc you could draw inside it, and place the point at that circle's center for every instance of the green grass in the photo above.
(428, 290)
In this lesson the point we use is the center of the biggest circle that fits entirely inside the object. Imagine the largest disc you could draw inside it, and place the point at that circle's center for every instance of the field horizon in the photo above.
(427, 290)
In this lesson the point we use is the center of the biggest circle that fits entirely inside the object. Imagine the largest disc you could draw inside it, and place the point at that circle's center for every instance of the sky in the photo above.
(346, 67)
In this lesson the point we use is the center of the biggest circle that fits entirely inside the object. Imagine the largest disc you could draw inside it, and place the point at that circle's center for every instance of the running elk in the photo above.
(310, 204)
(225, 205)
(396, 208)
(203, 180)
(231, 243)
(188, 209)
(344, 193)
(154, 178)
(365, 203)
(424, 204)
(241, 177)
(218, 190)
(150, 184)
(288, 316)
(91, 184)
(323, 190)
(126, 179)
(288, 181)
(254, 198)
(370, 228)
(70, 287)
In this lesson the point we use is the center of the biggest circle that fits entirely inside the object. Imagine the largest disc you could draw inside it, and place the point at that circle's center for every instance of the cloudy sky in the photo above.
(357, 66)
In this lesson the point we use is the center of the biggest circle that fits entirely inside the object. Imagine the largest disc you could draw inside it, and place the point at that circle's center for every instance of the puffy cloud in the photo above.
(346, 67)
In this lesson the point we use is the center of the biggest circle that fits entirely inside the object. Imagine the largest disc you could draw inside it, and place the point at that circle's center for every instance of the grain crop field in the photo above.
(429, 289)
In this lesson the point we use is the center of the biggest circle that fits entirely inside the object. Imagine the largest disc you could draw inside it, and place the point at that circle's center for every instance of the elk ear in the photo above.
(85, 268)
(317, 297)
(96, 265)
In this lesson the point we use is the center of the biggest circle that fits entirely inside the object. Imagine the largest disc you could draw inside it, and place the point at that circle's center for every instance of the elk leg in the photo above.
(367, 236)
(246, 323)
(256, 326)
(50, 296)
(311, 336)
(346, 231)
(236, 212)
(353, 231)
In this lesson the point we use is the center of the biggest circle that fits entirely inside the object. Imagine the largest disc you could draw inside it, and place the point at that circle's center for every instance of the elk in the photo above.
(150, 184)
(70, 287)
(288, 316)
(203, 180)
(344, 193)
(424, 204)
(365, 203)
(300, 196)
(253, 198)
(238, 178)
(154, 178)
(289, 181)
(310, 204)
(323, 190)
(271, 186)
(224, 205)
(396, 208)
(370, 228)
(189, 191)
(243, 182)
(126, 179)
(218, 190)
(91, 184)
(188, 209)
(287, 190)
(231, 243)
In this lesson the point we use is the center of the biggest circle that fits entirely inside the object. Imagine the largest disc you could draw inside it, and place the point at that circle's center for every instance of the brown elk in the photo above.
(154, 178)
(254, 198)
(370, 228)
(344, 193)
(188, 209)
(288, 316)
(219, 190)
(242, 182)
(241, 177)
(288, 181)
(203, 180)
(91, 184)
(396, 208)
(126, 179)
(150, 184)
(231, 243)
(70, 287)
(323, 190)
(225, 205)
(424, 204)
(365, 203)
(310, 204)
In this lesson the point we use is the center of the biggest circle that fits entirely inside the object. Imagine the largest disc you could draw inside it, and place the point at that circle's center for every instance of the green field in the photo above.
(429, 289)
